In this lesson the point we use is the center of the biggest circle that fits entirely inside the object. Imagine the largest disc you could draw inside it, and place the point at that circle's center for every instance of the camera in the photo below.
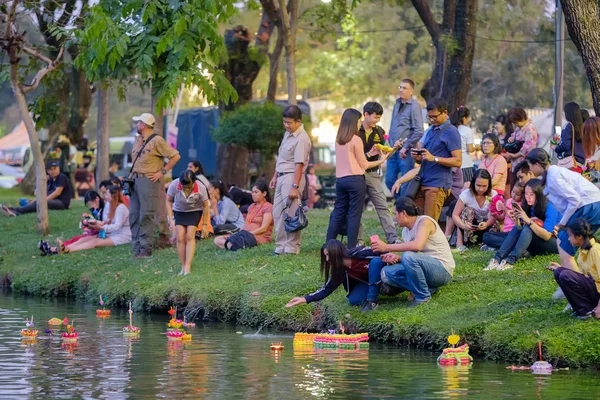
(128, 185)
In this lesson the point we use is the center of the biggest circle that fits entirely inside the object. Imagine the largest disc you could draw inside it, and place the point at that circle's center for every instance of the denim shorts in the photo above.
(591, 212)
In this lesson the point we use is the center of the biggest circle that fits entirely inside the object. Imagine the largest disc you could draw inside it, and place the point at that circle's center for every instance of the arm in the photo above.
(294, 193)
(57, 192)
(424, 230)
(567, 192)
(529, 141)
(172, 161)
(267, 220)
(416, 125)
(121, 214)
(332, 283)
(565, 141)
(226, 212)
(454, 161)
(169, 203)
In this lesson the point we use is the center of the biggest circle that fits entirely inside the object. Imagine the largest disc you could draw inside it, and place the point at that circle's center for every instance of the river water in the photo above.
(221, 363)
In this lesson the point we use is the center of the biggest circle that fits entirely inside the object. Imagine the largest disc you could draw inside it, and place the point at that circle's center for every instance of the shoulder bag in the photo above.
(128, 183)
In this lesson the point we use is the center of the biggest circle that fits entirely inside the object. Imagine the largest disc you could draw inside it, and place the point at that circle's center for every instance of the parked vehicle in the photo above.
(10, 176)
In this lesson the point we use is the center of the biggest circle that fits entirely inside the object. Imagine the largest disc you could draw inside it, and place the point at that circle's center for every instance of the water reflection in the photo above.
(220, 364)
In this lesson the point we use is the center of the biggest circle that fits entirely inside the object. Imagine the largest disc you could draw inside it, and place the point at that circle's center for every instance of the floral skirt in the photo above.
(469, 216)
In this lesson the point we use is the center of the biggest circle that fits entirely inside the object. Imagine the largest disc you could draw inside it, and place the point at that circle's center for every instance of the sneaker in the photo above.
(492, 265)
(485, 247)
(504, 266)
(360, 242)
(558, 294)
(583, 317)
(43, 247)
(369, 305)
(416, 303)
(568, 308)
(462, 249)
(7, 212)
(387, 290)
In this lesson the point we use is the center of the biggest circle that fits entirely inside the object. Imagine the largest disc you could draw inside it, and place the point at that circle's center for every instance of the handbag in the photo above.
(569, 162)
(514, 147)
(128, 183)
(412, 187)
(296, 222)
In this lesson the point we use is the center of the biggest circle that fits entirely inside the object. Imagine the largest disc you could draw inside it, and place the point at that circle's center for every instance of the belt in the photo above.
(283, 173)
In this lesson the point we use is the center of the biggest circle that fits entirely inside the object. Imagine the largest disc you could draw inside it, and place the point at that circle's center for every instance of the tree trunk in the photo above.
(583, 25)
(274, 67)
(80, 97)
(36, 152)
(458, 75)
(236, 160)
(159, 126)
(102, 136)
(289, 27)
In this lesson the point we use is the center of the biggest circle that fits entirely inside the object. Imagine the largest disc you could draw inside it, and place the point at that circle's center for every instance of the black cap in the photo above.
(53, 163)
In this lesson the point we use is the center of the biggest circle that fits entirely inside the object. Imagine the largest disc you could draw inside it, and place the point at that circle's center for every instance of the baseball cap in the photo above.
(51, 164)
(146, 118)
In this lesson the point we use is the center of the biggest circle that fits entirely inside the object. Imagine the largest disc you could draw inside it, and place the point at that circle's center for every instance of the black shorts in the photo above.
(190, 218)
(240, 240)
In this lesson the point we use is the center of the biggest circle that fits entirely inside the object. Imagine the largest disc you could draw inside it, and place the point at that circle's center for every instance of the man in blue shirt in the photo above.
(439, 151)
(407, 126)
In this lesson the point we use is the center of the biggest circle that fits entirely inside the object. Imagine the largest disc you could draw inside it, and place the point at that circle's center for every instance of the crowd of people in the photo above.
(513, 202)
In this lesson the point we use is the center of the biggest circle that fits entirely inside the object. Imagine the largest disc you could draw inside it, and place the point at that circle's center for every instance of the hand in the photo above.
(426, 155)
(399, 143)
(383, 155)
(379, 247)
(396, 187)
(416, 155)
(510, 139)
(373, 152)
(171, 224)
(402, 153)
(467, 227)
(553, 265)
(273, 181)
(295, 302)
(482, 226)
(390, 258)
(294, 194)
(156, 176)
(204, 231)
(597, 312)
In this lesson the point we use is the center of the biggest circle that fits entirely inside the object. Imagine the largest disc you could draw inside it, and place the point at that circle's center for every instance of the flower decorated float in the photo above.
(70, 336)
(28, 333)
(58, 322)
(103, 312)
(130, 330)
(455, 355)
(175, 331)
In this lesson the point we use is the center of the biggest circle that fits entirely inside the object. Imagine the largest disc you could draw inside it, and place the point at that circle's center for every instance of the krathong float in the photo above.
(29, 333)
(70, 336)
(131, 331)
(357, 341)
(102, 313)
(455, 355)
(58, 322)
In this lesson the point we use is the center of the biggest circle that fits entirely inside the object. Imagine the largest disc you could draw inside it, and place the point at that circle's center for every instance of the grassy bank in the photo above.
(501, 314)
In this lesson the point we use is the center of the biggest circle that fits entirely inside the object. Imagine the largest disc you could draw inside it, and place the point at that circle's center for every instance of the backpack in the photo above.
(362, 253)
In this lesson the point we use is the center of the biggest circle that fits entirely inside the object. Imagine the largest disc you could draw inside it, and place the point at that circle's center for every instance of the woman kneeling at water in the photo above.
(338, 268)
(259, 222)
(426, 263)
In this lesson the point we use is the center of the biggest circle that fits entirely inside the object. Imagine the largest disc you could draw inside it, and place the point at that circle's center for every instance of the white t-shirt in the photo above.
(436, 246)
(482, 213)
(466, 137)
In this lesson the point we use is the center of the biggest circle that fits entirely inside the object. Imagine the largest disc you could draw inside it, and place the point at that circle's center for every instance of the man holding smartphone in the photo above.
(438, 152)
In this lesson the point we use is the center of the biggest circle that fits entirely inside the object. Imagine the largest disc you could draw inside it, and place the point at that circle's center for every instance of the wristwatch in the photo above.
(436, 159)
(295, 186)
(163, 171)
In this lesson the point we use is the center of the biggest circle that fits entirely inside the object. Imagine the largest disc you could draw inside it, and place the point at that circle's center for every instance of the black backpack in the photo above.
(362, 253)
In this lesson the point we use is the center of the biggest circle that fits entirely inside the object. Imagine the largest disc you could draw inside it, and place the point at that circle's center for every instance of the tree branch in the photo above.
(37, 55)
(42, 72)
(424, 11)
(10, 18)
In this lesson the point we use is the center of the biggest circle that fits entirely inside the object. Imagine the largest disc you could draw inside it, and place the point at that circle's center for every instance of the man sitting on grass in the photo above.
(59, 193)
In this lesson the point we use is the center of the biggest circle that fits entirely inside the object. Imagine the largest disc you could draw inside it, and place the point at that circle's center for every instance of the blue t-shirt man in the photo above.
(440, 141)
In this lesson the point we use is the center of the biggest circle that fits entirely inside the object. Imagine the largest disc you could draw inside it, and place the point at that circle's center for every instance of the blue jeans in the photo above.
(395, 166)
(591, 213)
(494, 239)
(350, 194)
(358, 294)
(521, 239)
(418, 273)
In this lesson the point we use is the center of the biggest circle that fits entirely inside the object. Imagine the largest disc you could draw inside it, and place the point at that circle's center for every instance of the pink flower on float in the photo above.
(386, 136)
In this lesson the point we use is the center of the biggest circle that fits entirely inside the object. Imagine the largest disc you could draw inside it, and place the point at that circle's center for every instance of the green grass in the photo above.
(501, 314)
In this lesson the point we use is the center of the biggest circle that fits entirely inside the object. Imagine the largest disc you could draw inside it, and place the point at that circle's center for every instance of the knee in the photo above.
(384, 275)
(355, 300)
(409, 258)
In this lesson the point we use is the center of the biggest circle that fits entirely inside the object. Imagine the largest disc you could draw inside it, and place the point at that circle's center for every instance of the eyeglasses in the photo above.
(487, 143)
(430, 117)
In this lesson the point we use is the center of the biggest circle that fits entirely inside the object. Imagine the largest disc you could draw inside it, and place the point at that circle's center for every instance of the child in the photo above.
(502, 209)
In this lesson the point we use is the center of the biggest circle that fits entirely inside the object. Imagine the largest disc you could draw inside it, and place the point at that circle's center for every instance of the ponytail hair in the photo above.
(407, 205)
(539, 156)
(456, 118)
(218, 184)
(580, 227)
(187, 177)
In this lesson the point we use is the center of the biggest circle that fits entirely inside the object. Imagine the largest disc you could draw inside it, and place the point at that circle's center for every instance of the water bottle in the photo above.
(102, 234)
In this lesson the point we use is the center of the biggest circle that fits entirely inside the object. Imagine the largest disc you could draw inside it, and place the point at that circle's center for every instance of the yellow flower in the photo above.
(453, 339)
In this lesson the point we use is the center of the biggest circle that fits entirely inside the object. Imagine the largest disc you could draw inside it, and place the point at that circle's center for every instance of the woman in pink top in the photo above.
(493, 162)
(258, 228)
(350, 186)
(524, 132)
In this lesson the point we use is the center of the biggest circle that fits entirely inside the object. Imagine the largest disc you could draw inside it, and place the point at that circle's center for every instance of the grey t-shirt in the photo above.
(187, 204)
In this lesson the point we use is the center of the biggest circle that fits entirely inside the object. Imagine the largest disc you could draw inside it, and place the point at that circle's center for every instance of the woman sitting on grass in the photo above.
(581, 289)
(115, 224)
(259, 222)
(535, 220)
(226, 216)
(356, 276)
(472, 211)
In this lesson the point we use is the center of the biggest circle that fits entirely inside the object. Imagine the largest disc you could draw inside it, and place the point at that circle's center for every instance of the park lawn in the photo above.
(502, 315)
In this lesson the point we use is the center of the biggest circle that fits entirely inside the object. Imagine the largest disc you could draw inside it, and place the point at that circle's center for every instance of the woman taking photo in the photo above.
(426, 263)
(493, 162)
(535, 220)
(581, 289)
(338, 268)
(187, 200)
(472, 211)
(226, 217)
(350, 185)
(570, 138)
(259, 222)
(571, 194)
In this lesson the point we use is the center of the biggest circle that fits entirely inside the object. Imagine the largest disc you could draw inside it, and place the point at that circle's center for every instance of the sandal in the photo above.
(61, 247)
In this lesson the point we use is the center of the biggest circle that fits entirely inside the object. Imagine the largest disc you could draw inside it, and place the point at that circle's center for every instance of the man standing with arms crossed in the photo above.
(289, 178)
(407, 124)
(147, 173)
(371, 135)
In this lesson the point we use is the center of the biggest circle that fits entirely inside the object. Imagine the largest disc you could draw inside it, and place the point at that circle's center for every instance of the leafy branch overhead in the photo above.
(158, 43)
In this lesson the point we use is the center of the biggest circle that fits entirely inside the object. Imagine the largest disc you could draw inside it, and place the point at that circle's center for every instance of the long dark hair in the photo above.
(483, 174)
(187, 177)
(408, 205)
(198, 165)
(580, 227)
(456, 118)
(573, 115)
(336, 252)
(261, 185)
(117, 198)
(348, 126)
(508, 126)
(217, 184)
(539, 156)
(92, 195)
(495, 141)
(541, 202)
